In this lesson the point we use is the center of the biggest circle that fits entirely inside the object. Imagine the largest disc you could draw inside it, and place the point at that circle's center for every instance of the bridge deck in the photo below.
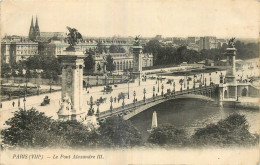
(132, 109)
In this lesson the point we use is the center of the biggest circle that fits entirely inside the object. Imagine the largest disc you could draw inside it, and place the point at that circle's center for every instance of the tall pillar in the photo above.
(231, 70)
(72, 85)
(137, 60)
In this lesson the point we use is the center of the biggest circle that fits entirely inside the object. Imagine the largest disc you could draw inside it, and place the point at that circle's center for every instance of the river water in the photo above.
(190, 114)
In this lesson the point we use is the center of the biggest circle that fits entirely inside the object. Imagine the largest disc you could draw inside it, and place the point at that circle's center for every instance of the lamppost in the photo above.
(221, 78)
(91, 110)
(173, 87)
(181, 82)
(123, 103)
(111, 101)
(128, 89)
(113, 79)
(97, 113)
(153, 91)
(158, 84)
(50, 86)
(134, 96)
(188, 86)
(162, 89)
(24, 101)
(194, 82)
(19, 96)
(144, 93)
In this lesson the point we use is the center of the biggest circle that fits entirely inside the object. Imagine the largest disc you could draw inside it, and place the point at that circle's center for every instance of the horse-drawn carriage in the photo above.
(107, 89)
(46, 101)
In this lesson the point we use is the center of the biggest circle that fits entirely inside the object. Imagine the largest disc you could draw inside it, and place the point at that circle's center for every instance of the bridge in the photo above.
(130, 110)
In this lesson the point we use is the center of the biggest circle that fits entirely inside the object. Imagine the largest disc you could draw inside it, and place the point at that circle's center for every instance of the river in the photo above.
(190, 114)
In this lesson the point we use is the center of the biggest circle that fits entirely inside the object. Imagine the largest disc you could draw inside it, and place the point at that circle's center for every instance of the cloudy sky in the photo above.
(221, 18)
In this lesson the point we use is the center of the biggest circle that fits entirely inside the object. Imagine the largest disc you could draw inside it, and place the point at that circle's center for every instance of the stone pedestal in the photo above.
(72, 83)
(231, 65)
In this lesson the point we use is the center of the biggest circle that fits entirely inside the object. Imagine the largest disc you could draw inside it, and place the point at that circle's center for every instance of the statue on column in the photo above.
(73, 37)
(231, 42)
(137, 41)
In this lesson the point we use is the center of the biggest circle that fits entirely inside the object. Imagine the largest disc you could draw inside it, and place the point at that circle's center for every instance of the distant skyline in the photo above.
(106, 18)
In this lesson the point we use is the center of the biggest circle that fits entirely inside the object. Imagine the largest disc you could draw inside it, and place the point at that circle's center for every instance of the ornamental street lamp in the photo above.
(162, 89)
(111, 101)
(144, 93)
(134, 96)
(91, 110)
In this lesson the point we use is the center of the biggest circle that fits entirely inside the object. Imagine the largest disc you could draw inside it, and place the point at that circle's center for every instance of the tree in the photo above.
(167, 134)
(89, 61)
(119, 133)
(110, 66)
(24, 126)
(231, 131)
(31, 128)
(116, 49)
(5, 70)
(100, 47)
(74, 134)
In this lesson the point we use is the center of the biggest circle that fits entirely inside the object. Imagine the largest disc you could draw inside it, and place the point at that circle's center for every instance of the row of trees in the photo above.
(171, 55)
(112, 49)
(232, 131)
(33, 129)
(48, 64)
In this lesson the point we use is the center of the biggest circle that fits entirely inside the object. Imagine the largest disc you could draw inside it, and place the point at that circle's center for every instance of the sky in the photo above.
(104, 18)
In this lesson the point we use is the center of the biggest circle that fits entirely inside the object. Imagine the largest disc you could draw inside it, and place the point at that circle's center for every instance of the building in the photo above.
(13, 51)
(55, 35)
(34, 32)
(122, 61)
(207, 43)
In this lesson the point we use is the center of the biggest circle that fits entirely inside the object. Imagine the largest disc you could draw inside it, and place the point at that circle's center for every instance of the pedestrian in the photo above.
(13, 103)
(115, 99)
(0, 105)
